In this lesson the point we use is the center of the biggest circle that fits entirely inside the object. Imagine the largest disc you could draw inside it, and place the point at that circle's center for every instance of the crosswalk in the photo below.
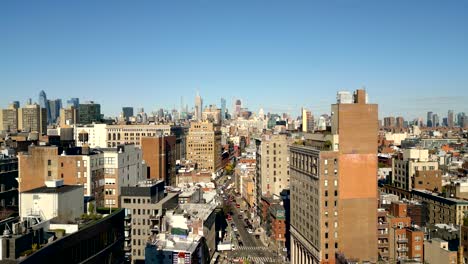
(251, 248)
(254, 259)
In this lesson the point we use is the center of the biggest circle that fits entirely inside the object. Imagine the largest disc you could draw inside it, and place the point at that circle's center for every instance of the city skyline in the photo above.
(278, 57)
(293, 112)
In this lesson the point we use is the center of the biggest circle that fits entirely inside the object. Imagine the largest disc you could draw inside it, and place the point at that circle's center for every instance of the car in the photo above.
(249, 230)
(239, 216)
(235, 229)
(238, 205)
(241, 211)
(241, 244)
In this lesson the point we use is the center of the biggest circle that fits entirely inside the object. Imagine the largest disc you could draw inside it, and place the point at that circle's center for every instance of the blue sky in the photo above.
(412, 56)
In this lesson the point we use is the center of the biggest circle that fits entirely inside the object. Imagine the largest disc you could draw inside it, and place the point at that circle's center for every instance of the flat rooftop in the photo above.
(60, 189)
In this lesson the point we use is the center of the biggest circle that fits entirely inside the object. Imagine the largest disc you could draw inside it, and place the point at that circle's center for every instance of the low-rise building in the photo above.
(436, 250)
(441, 209)
(64, 203)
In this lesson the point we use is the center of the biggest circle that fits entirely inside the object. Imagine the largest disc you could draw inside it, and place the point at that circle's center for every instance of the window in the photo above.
(325, 172)
(418, 247)
(49, 162)
(78, 174)
(78, 163)
(49, 173)
(127, 200)
(326, 182)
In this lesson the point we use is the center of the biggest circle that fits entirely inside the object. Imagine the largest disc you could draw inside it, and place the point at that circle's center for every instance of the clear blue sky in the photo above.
(412, 56)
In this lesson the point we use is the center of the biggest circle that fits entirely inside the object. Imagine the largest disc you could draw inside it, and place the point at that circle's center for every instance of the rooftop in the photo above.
(202, 211)
(60, 189)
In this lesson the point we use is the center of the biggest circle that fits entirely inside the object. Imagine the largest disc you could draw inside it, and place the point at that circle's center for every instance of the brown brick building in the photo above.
(159, 155)
(334, 188)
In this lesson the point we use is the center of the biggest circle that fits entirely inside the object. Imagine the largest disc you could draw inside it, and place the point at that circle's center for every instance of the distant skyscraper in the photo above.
(198, 107)
(435, 120)
(450, 119)
(389, 122)
(429, 119)
(307, 121)
(261, 114)
(127, 112)
(460, 119)
(43, 103)
(223, 109)
(54, 110)
(400, 122)
(237, 108)
(89, 112)
(75, 102)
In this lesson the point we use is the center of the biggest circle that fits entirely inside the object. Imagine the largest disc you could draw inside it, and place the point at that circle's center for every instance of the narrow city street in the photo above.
(246, 247)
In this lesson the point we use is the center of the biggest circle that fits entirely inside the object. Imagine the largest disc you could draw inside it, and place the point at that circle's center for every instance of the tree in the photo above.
(91, 208)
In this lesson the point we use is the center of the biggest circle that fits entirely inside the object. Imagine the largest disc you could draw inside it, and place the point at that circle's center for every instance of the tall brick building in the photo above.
(334, 188)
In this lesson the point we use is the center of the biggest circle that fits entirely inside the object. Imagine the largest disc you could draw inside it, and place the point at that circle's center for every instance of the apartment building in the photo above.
(272, 165)
(101, 172)
(204, 146)
(441, 209)
(331, 182)
(406, 164)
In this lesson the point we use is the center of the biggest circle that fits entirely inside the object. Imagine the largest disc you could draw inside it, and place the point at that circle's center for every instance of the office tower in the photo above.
(89, 112)
(198, 107)
(204, 146)
(460, 119)
(75, 102)
(127, 112)
(145, 204)
(159, 153)
(389, 122)
(307, 121)
(223, 109)
(429, 119)
(32, 118)
(450, 119)
(400, 122)
(68, 116)
(9, 119)
(44, 103)
(435, 120)
(334, 188)
(237, 108)
(272, 166)
(54, 110)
